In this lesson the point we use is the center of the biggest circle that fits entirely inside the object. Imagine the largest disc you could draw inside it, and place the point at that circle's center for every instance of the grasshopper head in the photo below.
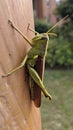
(45, 36)
(41, 37)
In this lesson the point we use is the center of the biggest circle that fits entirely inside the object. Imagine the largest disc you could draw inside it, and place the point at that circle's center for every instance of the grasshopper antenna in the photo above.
(57, 23)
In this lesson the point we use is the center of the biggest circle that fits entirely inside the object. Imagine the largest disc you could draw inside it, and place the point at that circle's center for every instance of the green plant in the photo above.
(59, 53)
(60, 50)
(41, 26)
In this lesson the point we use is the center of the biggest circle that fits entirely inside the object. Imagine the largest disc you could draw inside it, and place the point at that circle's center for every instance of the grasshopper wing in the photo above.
(39, 67)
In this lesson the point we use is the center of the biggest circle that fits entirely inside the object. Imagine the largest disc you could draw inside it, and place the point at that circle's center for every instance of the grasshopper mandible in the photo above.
(35, 55)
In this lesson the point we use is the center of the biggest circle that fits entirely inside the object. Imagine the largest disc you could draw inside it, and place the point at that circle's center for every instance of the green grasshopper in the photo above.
(39, 45)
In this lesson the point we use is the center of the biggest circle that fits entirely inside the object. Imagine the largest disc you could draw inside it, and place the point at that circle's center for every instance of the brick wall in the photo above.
(44, 9)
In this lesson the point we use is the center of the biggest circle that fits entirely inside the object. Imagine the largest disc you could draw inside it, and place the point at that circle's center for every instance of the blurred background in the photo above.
(57, 114)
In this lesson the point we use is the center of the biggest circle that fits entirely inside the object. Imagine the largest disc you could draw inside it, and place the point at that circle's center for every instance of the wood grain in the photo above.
(17, 111)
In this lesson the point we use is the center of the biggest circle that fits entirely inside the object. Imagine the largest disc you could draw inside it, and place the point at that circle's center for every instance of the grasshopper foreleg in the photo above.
(14, 27)
(32, 29)
(17, 68)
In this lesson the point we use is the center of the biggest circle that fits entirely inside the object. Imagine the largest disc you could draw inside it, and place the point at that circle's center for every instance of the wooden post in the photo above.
(17, 111)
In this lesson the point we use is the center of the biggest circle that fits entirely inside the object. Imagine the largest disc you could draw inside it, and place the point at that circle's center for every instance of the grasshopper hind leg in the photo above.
(38, 81)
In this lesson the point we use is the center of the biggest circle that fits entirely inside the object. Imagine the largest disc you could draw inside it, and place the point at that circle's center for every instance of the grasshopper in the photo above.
(34, 59)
